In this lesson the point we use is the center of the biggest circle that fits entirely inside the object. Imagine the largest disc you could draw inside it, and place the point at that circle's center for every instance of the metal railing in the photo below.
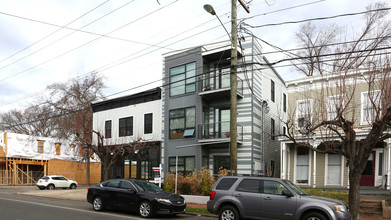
(209, 82)
(218, 130)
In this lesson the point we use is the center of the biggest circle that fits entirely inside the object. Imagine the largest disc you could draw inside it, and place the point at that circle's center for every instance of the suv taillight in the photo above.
(212, 195)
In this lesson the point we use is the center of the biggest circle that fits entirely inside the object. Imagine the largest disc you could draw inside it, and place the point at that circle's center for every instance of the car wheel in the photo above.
(73, 186)
(50, 187)
(97, 204)
(228, 213)
(314, 216)
(145, 209)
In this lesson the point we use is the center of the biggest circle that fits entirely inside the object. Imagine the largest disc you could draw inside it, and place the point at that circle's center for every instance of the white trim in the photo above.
(309, 168)
(333, 101)
(304, 102)
(364, 96)
(326, 172)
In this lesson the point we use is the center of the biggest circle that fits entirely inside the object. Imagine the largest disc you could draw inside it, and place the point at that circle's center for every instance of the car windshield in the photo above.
(147, 186)
(295, 188)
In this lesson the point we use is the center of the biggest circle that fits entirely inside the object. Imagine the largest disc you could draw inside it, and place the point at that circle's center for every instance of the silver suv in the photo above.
(236, 197)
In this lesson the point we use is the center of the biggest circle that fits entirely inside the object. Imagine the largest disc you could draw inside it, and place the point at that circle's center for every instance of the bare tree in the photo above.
(355, 63)
(37, 120)
(110, 154)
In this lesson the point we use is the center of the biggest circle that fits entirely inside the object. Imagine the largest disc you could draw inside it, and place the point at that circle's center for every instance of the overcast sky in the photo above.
(48, 41)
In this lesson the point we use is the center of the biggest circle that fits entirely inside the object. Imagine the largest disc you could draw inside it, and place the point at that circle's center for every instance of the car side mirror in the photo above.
(132, 191)
(287, 193)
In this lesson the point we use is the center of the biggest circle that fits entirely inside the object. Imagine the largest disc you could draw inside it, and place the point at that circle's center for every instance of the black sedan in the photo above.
(135, 195)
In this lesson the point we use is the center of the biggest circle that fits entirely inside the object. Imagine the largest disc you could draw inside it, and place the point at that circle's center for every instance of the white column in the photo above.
(314, 171)
(283, 160)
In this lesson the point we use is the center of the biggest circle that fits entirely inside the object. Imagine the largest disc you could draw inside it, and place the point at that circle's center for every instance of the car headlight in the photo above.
(163, 200)
(341, 208)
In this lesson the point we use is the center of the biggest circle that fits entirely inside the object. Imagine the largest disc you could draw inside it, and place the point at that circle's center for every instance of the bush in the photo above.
(169, 183)
(206, 182)
(185, 188)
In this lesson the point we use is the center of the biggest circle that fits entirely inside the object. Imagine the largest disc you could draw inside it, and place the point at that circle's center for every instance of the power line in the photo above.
(52, 33)
(91, 41)
(316, 19)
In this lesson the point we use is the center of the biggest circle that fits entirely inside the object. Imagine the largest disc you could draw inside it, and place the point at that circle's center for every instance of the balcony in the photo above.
(218, 132)
(218, 86)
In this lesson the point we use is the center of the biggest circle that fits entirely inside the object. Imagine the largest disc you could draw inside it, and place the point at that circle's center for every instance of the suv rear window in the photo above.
(226, 183)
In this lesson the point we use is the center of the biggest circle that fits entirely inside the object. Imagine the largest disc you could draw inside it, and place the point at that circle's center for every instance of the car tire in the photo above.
(145, 209)
(228, 213)
(73, 186)
(97, 204)
(50, 187)
(314, 216)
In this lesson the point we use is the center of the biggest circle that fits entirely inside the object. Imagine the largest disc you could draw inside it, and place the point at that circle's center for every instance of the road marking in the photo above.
(74, 209)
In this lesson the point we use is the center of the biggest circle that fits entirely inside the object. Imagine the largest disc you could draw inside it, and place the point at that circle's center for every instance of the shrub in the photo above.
(169, 183)
(185, 188)
(193, 181)
(206, 182)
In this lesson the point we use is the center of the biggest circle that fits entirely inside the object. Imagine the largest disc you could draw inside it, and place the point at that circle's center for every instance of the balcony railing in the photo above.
(211, 85)
(219, 131)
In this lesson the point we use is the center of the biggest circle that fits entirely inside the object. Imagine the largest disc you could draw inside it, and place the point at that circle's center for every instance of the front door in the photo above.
(368, 175)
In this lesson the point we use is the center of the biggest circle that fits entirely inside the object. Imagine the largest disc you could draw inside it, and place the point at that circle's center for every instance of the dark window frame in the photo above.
(148, 123)
(126, 126)
(108, 129)
(182, 164)
(273, 128)
(273, 91)
(187, 130)
(188, 82)
(284, 102)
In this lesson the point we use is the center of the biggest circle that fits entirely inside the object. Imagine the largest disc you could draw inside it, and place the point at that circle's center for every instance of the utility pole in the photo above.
(233, 81)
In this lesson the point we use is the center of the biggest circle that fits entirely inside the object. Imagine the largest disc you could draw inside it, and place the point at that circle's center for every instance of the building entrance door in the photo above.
(368, 175)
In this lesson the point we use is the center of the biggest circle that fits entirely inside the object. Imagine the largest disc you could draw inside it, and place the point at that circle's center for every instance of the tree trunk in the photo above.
(354, 193)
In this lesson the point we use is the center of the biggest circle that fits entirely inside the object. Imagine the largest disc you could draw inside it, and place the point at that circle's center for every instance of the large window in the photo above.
(126, 126)
(273, 91)
(370, 103)
(334, 105)
(182, 79)
(302, 165)
(221, 162)
(108, 129)
(148, 123)
(182, 123)
(303, 113)
(334, 164)
(186, 165)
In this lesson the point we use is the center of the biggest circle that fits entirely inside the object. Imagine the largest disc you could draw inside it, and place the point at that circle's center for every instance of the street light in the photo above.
(233, 81)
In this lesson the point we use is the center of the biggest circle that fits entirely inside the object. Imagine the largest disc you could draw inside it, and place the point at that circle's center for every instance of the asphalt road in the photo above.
(14, 206)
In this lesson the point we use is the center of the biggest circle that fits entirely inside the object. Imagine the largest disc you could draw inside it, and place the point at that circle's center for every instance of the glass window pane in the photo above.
(178, 78)
(190, 163)
(177, 70)
(190, 66)
(248, 185)
(190, 76)
(177, 89)
(177, 113)
(190, 88)
(177, 123)
(190, 117)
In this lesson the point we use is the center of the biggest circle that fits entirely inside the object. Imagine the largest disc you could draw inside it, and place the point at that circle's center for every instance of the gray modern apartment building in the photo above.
(196, 110)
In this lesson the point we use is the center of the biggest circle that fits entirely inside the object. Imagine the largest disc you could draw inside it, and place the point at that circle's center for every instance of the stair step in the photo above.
(371, 207)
